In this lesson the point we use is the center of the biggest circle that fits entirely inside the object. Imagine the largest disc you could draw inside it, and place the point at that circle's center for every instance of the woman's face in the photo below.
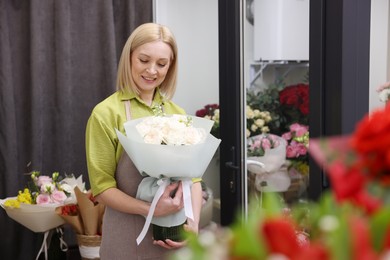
(149, 65)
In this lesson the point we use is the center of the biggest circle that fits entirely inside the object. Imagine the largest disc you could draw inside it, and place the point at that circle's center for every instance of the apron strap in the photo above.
(127, 109)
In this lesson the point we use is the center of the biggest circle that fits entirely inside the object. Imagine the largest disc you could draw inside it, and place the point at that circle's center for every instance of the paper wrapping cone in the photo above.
(102, 209)
(89, 212)
(73, 220)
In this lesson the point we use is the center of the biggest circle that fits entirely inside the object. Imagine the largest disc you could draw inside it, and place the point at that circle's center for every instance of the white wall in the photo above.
(379, 49)
(195, 26)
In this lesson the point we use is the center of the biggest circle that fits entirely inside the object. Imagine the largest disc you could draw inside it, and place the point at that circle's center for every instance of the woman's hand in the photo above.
(171, 200)
(170, 244)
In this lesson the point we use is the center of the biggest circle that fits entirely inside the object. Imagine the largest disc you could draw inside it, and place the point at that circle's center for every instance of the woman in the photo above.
(146, 81)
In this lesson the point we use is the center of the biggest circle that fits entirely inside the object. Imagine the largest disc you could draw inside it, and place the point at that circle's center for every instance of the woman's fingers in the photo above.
(170, 244)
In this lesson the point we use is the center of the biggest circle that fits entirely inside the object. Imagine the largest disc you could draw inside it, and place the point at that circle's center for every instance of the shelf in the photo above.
(259, 67)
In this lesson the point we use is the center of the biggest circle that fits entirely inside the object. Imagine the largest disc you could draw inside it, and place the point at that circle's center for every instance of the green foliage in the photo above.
(268, 100)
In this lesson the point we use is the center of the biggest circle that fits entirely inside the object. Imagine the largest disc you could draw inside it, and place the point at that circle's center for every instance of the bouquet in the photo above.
(266, 158)
(34, 207)
(257, 121)
(294, 101)
(180, 147)
(297, 149)
(211, 112)
(286, 104)
(384, 92)
(85, 217)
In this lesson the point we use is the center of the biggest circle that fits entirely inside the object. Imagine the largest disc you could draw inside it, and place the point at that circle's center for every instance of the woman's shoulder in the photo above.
(108, 106)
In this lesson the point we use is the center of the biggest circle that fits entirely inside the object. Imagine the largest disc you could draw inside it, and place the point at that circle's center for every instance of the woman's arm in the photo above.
(120, 201)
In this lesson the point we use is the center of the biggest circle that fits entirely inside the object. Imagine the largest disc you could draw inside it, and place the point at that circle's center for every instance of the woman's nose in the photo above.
(152, 69)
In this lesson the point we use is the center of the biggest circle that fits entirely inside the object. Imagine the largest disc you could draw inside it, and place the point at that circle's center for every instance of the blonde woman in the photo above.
(146, 80)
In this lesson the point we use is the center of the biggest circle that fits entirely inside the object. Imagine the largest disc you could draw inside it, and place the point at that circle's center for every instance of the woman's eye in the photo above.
(143, 61)
(162, 65)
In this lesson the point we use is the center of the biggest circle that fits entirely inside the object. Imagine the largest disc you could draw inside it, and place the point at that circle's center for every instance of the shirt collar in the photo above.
(157, 99)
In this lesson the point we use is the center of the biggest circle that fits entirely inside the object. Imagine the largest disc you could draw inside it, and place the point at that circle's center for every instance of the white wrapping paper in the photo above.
(167, 162)
(270, 170)
(37, 218)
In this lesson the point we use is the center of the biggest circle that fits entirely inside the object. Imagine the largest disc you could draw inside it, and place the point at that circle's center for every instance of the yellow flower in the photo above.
(25, 196)
(12, 203)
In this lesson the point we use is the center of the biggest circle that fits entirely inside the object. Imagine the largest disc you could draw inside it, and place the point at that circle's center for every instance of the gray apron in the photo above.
(120, 230)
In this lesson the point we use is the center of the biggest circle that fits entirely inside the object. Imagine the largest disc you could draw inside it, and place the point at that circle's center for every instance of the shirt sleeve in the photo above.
(101, 146)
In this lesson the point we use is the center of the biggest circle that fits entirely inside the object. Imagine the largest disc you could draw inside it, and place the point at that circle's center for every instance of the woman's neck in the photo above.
(147, 97)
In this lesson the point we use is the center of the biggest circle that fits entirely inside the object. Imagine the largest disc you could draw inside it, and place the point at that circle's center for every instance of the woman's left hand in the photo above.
(170, 244)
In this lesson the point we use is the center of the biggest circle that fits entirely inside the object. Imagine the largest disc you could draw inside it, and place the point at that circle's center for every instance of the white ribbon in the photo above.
(44, 245)
(163, 183)
(46, 242)
(187, 198)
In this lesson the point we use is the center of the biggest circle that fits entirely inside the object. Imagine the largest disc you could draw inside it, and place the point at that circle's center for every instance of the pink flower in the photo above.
(291, 152)
(43, 199)
(58, 196)
(299, 129)
(43, 179)
(287, 136)
(295, 149)
(383, 86)
(265, 143)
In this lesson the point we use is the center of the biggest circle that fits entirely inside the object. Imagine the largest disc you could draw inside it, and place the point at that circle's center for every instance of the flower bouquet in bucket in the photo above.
(85, 217)
(266, 159)
(166, 149)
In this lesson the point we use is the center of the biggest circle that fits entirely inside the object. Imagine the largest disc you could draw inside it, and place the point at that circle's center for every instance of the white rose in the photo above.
(154, 136)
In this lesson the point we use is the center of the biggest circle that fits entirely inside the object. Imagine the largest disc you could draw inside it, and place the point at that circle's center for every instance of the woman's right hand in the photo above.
(171, 200)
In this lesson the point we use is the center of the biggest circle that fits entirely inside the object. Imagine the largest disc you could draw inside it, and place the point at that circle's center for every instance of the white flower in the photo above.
(66, 187)
(328, 223)
(153, 137)
(173, 130)
(48, 187)
(384, 95)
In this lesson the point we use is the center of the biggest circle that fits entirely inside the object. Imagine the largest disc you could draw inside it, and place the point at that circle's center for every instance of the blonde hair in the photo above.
(145, 33)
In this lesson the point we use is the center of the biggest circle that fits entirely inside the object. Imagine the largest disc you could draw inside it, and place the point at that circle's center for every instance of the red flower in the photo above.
(296, 96)
(314, 251)
(280, 236)
(69, 210)
(371, 141)
(361, 240)
(208, 110)
(340, 175)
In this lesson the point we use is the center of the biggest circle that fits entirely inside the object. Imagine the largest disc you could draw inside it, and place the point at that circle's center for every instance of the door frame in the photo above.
(339, 82)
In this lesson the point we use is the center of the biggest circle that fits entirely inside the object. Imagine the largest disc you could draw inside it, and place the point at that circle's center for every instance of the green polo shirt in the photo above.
(103, 149)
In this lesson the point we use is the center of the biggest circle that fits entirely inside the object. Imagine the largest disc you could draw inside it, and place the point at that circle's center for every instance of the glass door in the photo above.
(276, 81)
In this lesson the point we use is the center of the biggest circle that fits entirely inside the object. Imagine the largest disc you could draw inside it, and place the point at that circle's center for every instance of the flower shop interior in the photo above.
(273, 75)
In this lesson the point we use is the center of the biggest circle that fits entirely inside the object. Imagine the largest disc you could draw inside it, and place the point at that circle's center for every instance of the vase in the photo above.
(175, 233)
